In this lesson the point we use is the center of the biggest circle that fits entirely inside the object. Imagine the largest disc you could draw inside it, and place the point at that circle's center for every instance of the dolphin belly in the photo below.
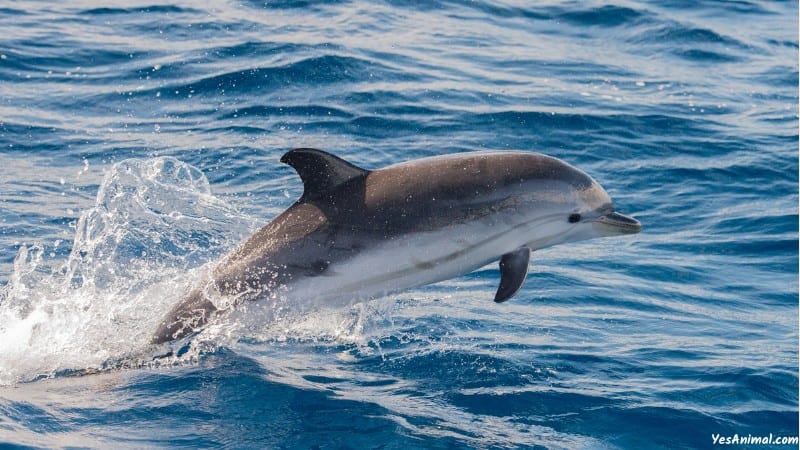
(406, 262)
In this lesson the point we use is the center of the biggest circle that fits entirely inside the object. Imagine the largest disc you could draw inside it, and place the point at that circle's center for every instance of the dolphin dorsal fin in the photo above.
(320, 171)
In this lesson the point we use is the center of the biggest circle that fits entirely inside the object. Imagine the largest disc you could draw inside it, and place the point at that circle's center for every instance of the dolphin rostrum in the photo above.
(357, 234)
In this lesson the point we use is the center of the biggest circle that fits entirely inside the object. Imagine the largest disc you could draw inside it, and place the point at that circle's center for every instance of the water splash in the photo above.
(155, 223)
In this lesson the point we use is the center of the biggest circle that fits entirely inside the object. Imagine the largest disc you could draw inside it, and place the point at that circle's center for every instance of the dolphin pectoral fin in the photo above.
(513, 270)
(321, 171)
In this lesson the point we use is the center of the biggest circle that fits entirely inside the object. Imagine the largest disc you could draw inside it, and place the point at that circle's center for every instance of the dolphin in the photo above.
(357, 234)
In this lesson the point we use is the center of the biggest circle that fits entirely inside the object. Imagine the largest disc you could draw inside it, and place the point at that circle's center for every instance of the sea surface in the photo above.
(140, 141)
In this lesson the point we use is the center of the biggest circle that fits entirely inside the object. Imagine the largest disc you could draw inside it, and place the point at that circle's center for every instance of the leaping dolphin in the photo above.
(357, 234)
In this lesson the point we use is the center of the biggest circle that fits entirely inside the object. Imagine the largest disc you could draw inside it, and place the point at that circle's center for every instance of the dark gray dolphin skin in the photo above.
(357, 234)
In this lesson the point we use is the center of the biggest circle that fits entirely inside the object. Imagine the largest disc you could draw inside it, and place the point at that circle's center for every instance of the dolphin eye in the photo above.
(574, 218)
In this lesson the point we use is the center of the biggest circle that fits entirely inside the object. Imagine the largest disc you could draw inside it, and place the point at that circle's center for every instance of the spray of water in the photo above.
(153, 227)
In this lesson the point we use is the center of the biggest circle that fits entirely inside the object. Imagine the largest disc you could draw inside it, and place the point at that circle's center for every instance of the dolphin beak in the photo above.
(615, 224)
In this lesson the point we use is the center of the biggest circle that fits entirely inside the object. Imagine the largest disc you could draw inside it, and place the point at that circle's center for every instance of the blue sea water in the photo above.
(140, 141)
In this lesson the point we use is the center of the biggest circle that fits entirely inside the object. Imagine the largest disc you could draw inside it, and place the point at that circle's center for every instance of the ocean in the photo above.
(141, 141)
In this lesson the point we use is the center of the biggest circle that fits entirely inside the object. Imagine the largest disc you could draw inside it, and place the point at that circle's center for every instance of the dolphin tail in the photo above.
(188, 315)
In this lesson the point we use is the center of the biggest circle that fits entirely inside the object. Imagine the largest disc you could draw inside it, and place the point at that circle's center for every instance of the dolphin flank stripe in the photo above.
(357, 234)
(429, 264)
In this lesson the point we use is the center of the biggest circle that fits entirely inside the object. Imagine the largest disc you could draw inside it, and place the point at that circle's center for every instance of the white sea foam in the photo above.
(155, 223)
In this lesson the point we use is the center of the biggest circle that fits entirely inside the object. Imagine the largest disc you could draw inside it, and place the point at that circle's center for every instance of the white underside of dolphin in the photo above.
(420, 259)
